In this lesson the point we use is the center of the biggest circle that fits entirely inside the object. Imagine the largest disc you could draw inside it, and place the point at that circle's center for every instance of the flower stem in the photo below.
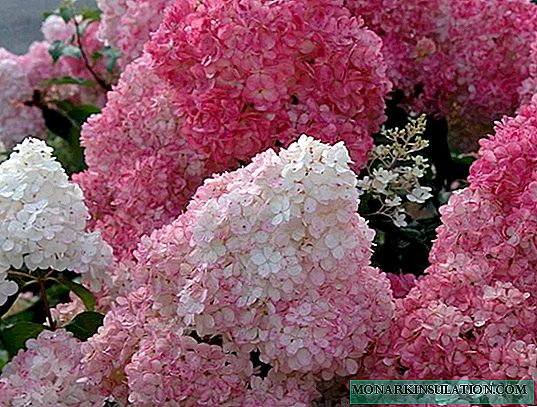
(97, 78)
(51, 323)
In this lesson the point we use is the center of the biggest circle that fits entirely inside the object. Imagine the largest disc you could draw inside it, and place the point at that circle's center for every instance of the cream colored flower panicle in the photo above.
(43, 216)
(394, 170)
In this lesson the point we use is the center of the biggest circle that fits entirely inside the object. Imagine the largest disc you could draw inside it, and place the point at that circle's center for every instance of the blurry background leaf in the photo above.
(70, 80)
(111, 55)
(72, 51)
(56, 50)
(90, 14)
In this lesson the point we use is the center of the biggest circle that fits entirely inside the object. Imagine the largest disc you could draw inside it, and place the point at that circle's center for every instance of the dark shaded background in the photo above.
(20, 21)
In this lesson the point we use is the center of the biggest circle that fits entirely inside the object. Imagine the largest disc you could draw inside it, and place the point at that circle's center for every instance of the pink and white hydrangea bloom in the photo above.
(275, 256)
(272, 257)
(47, 374)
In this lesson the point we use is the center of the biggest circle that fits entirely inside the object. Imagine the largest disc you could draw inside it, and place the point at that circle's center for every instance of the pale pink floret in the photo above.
(47, 374)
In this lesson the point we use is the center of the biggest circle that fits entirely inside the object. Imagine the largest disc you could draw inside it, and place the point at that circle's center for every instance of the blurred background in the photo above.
(20, 21)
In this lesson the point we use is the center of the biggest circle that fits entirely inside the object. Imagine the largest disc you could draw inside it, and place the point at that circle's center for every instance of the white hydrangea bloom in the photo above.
(43, 216)
(7, 288)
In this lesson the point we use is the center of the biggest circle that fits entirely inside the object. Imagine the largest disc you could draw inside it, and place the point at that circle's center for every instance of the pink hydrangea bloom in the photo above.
(248, 73)
(141, 172)
(107, 353)
(495, 217)
(17, 119)
(54, 28)
(171, 368)
(127, 24)
(47, 374)
(474, 314)
(147, 155)
(468, 58)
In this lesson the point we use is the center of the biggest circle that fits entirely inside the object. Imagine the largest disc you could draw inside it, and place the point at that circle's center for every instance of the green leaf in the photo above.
(90, 14)
(81, 292)
(111, 55)
(81, 113)
(66, 12)
(15, 337)
(4, 358)
(69, 80)
(85, 325)
(96, 56)
(72, 51)
(56, 50)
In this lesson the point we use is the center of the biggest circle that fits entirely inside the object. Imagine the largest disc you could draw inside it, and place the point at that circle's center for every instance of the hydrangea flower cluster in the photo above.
(239, 101)
(272, 254)
(394, 171)
(249, 73)
(127, 24)
(54, 28)
(474, 314)
(271, 258)
(141, 171)
(462, 59)
(47, 374)
(17, 120)
(43, 217)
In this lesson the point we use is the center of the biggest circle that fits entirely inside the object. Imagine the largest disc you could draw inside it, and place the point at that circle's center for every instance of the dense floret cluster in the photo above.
(43, 217)
(141, 171)
(247, 73)
(47, 374)
(464, 59)
(149, 151)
